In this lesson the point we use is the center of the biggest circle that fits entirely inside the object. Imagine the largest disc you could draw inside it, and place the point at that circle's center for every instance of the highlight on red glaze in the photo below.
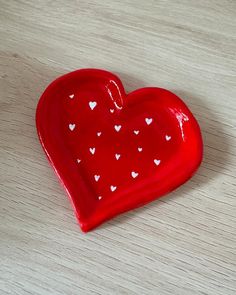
(115, 151)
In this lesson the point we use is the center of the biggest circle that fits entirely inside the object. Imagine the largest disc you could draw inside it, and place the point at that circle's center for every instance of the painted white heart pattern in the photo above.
(71, 127)
(117, 156)
(113, 188)
(157, 162)
(117, 127)
(92, 151)
(134, 174)
(148, 121)
(168, 137)
(96, 177)
(92, 104)
(71, 96)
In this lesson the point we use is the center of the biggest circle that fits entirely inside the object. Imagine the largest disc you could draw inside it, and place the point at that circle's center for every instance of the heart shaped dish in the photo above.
(115, 151)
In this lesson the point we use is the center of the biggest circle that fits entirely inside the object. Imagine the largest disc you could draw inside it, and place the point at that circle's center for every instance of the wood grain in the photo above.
(182, 244)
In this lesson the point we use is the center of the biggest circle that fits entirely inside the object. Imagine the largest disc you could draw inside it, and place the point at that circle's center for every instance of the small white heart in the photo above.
(117, 127)
(96, 177)
(100, 197)
(140, 149)
(117, 156)
(92, 151)
(78, 161)
(148, 120)
(113, 188)
(134, 174)
(112, 111)
(157, 162)
(136, 132)
(168, 137)
(99, 133)
(71, 96)
(71, 127)
(92, 104)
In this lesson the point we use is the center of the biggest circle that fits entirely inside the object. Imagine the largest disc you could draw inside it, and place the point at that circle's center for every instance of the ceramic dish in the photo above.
(115, 151)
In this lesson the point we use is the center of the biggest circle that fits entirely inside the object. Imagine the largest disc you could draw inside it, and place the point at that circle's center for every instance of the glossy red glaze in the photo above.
(112, 151)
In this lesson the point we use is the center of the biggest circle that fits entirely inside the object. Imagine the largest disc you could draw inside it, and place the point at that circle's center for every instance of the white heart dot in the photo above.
(148, 121)
(168, 137)
(71, 127)
(112, 111)
(134, 174)
(96, 177)
(92, 104)
(92, 151)
(140, 149)
(100, 197)
(117, 156)
(99, 133)
(136, 132)
(117, 127)
(157, 162)
(78, 161)
(71, 96)
(113, 188)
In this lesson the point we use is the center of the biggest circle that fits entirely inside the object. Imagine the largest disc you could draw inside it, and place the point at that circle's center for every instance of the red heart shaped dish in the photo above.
(115, 151)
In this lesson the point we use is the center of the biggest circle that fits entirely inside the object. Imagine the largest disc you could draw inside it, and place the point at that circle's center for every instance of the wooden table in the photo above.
(182, 244)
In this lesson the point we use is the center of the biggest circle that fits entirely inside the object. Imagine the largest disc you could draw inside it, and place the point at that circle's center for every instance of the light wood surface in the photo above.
(182, 244)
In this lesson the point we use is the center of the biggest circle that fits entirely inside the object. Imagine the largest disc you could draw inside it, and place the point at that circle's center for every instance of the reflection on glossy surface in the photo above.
(181, 117)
